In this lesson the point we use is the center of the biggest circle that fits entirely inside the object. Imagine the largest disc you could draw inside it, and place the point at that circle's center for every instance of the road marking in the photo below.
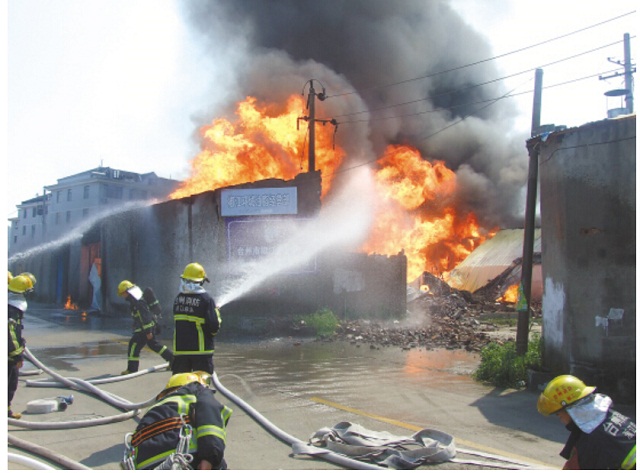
(415, 428)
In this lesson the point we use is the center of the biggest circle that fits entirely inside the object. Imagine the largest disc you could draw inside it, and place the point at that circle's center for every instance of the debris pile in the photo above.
(442, 318)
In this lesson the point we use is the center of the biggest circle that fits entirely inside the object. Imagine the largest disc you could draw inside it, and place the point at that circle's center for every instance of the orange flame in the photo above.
(70, 305)
(510, 295)
(417, 214)
(415, 211)
(263, 143)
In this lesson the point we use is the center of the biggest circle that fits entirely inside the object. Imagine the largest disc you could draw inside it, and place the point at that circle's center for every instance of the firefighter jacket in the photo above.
(157, 434)
(143, 320)
(197, 321)
(610, 446)
(16, 342)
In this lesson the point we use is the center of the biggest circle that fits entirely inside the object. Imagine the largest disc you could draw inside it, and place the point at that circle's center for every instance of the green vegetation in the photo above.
(324, 322)
(502, 367)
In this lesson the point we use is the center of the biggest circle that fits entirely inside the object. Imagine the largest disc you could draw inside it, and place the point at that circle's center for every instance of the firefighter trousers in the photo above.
(137, 343)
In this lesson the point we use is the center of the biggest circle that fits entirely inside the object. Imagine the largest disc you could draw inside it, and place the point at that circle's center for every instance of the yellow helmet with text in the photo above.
(20, 284)
(124, 286)
(561, 392)
(30, 276)
(194, 272)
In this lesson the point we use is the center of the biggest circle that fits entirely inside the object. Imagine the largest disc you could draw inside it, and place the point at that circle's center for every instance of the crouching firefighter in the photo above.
(185, 429)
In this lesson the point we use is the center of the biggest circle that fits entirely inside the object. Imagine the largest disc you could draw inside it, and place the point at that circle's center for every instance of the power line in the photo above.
(483, 60)
(509, 95)
(454, 91)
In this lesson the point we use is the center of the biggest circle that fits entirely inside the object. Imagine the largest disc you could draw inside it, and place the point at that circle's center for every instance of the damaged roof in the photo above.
(491, 259)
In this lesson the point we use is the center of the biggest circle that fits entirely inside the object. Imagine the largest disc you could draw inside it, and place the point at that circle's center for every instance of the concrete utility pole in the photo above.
(524, 297)
(629, 69)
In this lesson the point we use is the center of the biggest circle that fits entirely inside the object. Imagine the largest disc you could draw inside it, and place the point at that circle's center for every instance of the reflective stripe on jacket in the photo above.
(157, 434)
(16, 342)
(196, 322)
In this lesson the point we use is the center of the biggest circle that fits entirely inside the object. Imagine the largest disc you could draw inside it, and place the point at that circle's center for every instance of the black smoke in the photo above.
(393, 73)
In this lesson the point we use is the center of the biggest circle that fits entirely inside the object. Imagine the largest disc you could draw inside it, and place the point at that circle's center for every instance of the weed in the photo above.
(324, 322)
(501, 366)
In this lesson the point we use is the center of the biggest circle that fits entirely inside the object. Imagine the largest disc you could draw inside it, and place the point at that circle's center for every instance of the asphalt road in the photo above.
(297, 386)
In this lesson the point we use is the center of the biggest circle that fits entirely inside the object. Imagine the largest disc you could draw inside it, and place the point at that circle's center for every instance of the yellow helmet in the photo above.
(562, 391)
(20, 284)
(124, 286)
(30, 276)
(194, 272)
(182, 379)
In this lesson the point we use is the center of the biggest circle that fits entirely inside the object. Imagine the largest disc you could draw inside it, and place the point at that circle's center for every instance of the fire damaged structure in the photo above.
(228, 231)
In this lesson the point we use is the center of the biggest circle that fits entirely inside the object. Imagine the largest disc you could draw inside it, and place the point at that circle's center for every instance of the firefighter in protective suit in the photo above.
(144, 328)
(196, 322)
(601, 438)
(185, 429)
(18, 287)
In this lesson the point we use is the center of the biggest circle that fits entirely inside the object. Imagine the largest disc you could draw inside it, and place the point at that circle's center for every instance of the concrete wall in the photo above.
(588, 220)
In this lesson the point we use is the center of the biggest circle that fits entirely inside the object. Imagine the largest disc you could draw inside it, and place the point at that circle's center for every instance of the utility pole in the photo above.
(524, 296)
(629, 69)
(311, 105)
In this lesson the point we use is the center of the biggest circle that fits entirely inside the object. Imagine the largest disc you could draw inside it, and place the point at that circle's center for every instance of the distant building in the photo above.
(78, 199)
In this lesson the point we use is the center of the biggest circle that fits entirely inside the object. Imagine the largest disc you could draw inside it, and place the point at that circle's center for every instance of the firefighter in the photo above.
(184, 429)
(19, 286)
(601, 438)
(196, 323)
(144, 328)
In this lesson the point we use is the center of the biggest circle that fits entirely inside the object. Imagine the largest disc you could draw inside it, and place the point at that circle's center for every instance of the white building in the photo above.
(78, 199)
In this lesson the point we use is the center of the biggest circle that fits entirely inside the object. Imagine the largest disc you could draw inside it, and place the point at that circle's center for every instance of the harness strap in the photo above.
(157, 428)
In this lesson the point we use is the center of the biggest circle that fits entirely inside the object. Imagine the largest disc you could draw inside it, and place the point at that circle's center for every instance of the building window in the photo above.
(68, 195)
(85, 213)
(58, 196)
(24, 230)
(15, 239)
(33, 231)
(24, 213)
(33, 212)
(68, 216)
(57, 220)
(114, 192)
(86, 192)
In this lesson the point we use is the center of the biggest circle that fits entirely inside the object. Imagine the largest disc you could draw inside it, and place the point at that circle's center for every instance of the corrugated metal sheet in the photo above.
(490, 260)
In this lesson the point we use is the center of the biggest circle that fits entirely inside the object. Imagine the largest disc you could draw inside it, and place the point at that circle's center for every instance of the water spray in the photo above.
(344, 222)
(78, 231)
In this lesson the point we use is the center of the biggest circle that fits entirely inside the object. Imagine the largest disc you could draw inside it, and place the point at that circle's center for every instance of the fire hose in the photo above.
(298, 446)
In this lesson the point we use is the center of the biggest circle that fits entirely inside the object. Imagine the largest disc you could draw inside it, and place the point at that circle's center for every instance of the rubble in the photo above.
(443, 318)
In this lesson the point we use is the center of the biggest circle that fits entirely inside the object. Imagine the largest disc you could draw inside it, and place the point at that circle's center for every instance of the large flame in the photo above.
(415, 211)
(416, 214)
(265, 142)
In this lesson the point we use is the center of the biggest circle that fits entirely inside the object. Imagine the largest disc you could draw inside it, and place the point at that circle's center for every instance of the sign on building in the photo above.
(252, 240)
(264, 201)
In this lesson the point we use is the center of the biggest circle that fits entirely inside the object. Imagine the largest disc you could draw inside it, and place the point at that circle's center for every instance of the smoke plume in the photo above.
(393, 74)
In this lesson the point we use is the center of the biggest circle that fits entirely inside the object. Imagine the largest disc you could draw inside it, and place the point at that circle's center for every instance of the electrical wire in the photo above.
(455, 91)
(466, 104)
(493, 58)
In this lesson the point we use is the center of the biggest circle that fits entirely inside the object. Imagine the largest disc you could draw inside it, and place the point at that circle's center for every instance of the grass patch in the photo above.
(324, 322)
(502, 367)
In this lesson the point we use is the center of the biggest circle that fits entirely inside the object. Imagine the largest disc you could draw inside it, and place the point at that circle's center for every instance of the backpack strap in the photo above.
(157, 428)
